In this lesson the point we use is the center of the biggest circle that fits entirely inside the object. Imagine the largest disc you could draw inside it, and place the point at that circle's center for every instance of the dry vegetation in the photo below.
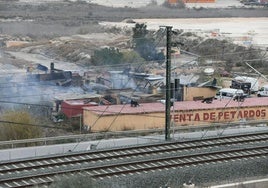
(44, 22)
(23, 128)
(55, 30)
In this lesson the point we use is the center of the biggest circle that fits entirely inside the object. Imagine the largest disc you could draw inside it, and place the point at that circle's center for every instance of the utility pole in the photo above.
(168, 92)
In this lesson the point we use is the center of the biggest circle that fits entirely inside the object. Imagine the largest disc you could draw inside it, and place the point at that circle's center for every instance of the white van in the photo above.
(263, 92)
(228, 93)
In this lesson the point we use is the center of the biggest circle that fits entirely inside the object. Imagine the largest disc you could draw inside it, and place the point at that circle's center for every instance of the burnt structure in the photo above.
(63, 78)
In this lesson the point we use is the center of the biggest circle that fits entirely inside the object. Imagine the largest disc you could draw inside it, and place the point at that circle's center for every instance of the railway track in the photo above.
(36, 171)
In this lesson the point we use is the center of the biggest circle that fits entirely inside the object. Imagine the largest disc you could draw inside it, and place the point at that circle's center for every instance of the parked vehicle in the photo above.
(247, 84)
(230, 93)
(263, 92)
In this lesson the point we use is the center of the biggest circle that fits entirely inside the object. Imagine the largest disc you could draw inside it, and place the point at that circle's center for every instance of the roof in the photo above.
(231, 90)
(178, 106)
(74, 96)
(80, 102)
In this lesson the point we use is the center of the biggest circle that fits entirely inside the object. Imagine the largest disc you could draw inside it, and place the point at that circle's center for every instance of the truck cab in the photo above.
(263, 92)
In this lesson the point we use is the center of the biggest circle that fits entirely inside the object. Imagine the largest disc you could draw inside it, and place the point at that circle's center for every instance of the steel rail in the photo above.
(17, 166)
(180, 161)
(132, 167)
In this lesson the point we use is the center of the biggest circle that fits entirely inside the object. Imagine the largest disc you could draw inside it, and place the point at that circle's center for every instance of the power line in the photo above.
(261, 75)
(124, 65)
(111, 124)
(242, 52)
(29, 124)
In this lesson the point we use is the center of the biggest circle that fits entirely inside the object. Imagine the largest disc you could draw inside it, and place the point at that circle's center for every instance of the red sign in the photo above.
(219, 116)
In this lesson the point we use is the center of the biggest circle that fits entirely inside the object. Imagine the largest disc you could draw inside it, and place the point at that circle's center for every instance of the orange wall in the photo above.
(199, 1)
(192, 1)
(190, 93)
(15, 43)
(123, 122)
(172, 1)
(219, 115)
(180, 118)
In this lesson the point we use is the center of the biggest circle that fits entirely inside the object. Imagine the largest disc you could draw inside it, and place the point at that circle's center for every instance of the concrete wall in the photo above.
(199, 1)
(15, 43)
(192, 1)
(123, 122)
(198, 117)
(192, 93)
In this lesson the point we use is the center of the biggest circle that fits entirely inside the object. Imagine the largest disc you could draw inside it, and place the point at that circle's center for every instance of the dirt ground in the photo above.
(59, 28)
(67, 33)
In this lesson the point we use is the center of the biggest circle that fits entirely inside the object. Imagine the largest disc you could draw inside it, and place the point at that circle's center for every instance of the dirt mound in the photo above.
(79, 48)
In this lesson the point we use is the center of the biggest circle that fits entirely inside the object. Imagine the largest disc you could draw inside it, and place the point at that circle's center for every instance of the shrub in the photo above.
(18, 125)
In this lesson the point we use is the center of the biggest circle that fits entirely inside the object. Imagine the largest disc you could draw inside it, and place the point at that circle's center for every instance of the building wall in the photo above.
(15, 43)
(123, 122)
(71, 110)
(180, 118)
(195, 93)
(172, 1)
(225, 115)
(199, 1)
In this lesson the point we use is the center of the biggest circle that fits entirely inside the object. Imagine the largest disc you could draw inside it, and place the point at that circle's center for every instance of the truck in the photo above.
(249, 85)
(263, 92)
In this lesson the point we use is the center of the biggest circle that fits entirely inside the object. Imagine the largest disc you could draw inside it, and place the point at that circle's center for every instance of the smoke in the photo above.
(121, 81)
(24, 91)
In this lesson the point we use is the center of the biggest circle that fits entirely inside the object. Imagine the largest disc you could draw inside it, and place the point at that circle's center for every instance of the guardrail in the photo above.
(118, 134)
